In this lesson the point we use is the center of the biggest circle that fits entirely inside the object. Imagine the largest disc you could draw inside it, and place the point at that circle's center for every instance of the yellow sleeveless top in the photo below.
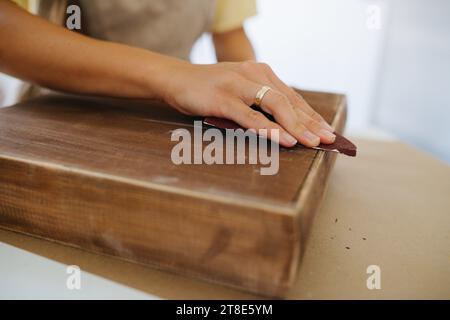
(128, 21)
(230, 14)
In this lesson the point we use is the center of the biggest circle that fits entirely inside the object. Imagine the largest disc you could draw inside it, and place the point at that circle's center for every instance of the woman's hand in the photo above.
(38, 51)
(227, 90)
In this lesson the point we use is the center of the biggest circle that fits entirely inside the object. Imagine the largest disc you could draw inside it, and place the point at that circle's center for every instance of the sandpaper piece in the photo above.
(340, 145)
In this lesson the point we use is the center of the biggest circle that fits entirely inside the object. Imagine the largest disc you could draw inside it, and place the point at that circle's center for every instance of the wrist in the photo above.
(162, 78)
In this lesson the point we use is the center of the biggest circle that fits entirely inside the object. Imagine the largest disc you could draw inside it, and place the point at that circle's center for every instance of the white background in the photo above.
(397, 78)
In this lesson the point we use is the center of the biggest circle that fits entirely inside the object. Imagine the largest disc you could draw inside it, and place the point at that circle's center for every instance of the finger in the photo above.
(285, 114)
(282, 110)
(295, 98)
(310, 111)
(251, 119)
(315, 127)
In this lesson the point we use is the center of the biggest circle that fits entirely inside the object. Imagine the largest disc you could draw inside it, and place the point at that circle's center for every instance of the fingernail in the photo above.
(326, 126)
(327, 134)
(288, 139)
(311, 137)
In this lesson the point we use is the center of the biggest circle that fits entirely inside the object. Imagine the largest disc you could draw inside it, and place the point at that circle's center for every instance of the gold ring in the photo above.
(260, 95)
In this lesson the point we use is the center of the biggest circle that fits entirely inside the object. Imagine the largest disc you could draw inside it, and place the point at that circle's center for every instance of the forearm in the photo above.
(35, 50)
(233, 46)
(40, 52)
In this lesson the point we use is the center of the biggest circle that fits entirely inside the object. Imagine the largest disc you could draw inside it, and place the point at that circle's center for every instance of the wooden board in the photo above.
(97, 174)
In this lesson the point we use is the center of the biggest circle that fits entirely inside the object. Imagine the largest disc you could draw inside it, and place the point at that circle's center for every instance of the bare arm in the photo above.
(233, 46)
(35, 50)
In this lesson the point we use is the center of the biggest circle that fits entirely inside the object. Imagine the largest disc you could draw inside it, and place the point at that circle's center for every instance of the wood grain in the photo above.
(97, 174)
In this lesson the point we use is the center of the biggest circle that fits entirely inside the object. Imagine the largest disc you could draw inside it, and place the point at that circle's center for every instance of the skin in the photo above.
(233, 46)
(40, 52)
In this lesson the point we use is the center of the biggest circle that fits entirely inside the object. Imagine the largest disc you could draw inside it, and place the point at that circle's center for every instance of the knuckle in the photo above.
(301, 128)
(298, 95)
(316, 116)
(253, 116)
(229, 79)
(247, 66)
(280, 99)
(265, 66)
(222, 108)
(311, 123)
(292, 95)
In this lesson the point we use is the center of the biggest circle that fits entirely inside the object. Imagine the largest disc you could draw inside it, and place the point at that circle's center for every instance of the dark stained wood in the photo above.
(97, 174)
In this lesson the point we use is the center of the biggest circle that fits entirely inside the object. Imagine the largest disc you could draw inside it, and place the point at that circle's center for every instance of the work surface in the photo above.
(99, 174)
(391, 208)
